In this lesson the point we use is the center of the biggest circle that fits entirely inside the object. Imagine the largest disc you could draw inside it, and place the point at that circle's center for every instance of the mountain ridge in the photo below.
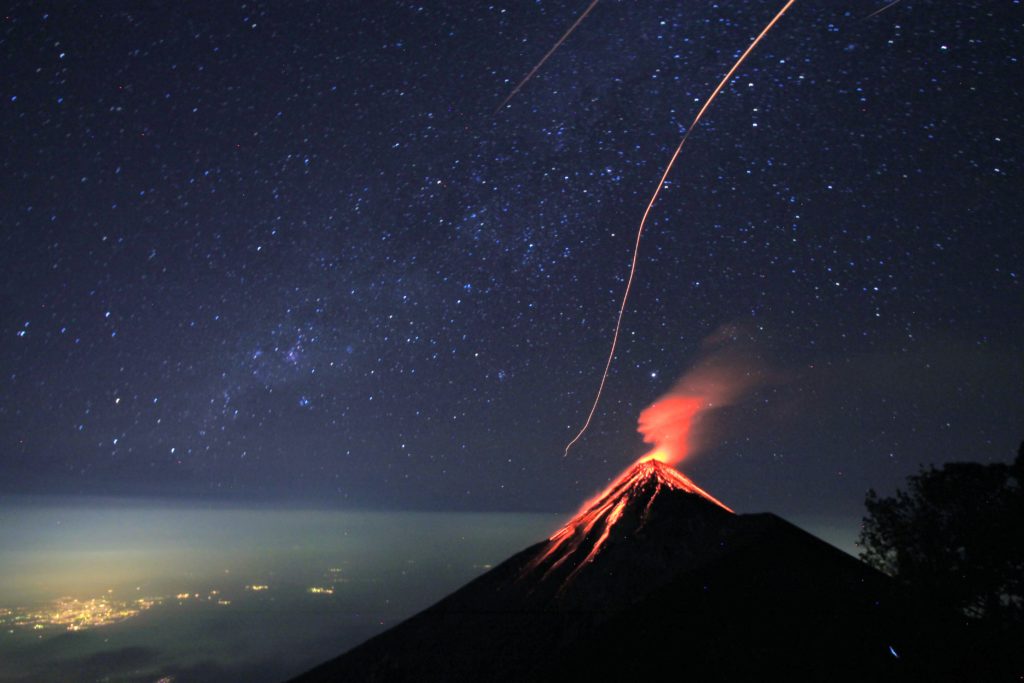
(674, 571)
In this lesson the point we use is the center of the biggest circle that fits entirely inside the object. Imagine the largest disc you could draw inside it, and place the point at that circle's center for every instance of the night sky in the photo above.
(285, 251)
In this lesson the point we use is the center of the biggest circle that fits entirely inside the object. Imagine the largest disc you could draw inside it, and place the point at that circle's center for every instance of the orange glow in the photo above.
(674, 423)
(606, 509)
(667, 424)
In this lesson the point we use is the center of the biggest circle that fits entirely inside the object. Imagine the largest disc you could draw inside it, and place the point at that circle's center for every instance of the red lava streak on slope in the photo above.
(606, 509)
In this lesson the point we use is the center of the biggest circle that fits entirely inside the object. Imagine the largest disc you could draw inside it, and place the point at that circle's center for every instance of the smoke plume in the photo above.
(726, 372)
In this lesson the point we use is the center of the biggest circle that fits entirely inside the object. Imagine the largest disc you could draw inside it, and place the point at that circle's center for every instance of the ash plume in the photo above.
(727, 371)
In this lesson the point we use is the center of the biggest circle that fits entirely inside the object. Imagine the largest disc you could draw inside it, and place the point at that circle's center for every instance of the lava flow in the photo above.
(637, 486)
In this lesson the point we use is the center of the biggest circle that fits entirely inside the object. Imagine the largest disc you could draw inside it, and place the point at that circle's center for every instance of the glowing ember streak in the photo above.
(607, 508)
(650, 205)
(881, 9)
(550, 52)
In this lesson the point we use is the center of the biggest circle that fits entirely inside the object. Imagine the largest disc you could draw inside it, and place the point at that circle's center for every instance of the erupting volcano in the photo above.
(628, 501)
(656, 564)
(625, 506)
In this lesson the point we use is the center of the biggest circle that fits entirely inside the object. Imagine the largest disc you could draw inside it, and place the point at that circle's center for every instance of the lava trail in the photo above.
(650, 205)
(543, 59)
(600, 514)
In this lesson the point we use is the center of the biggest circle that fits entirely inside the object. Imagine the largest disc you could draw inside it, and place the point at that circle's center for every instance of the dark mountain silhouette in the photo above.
(655, 576)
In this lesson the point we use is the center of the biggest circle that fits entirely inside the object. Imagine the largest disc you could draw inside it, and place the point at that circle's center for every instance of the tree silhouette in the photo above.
(955, 534)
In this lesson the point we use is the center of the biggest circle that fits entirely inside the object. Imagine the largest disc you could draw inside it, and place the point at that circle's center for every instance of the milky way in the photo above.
(285, 250)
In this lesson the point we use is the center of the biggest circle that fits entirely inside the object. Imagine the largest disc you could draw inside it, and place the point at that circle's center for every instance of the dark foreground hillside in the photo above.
(654, 577)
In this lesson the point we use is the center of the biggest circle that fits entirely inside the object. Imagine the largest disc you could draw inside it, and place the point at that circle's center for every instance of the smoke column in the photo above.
(672, 423)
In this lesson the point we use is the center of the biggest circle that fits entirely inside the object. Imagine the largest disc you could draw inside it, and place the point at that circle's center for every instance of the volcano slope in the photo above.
(656, 578)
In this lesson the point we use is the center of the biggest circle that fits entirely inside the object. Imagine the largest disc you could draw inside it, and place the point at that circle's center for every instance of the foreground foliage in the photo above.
(955, 535)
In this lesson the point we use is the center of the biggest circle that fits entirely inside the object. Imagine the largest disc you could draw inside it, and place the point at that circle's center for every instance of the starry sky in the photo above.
(287, 251)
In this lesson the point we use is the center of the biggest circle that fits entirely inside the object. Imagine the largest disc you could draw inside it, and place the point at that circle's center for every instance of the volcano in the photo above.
(655, 575)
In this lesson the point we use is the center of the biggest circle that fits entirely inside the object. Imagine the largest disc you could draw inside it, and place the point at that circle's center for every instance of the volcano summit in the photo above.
(654, 575)
(624, 508)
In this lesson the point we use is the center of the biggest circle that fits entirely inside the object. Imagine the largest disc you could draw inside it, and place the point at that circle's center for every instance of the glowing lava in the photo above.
(638, 485)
